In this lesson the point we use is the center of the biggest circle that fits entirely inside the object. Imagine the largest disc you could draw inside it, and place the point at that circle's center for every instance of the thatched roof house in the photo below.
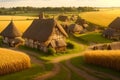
(115, 46)
(81, 22)
(75, 28)
(115, 24)
(63, 18)
(113, 30)
(10, 33)
(44, 33)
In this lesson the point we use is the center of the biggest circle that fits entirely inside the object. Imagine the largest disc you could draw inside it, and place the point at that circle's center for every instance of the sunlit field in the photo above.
(103, 17)
(109, 59)
(21, 22)
(13, 61)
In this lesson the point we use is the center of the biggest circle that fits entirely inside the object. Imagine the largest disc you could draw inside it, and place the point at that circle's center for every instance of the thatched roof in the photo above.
(42, 29)
(108, 32)
(115, 24)
(63, 18)
(82, 22)
(75, 28)
(58, 43)
(11, 31)
(115, 46)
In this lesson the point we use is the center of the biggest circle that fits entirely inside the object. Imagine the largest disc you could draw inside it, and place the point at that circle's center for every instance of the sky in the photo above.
(60, 3)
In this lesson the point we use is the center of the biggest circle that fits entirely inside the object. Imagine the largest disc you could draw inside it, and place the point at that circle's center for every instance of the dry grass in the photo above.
(21, 22)
(109, 59)
(103, 18)
(12, 61)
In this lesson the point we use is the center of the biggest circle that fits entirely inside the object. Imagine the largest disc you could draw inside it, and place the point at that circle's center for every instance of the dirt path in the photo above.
(50, 74)
(100, 74)
(80, 72)
(57, 67)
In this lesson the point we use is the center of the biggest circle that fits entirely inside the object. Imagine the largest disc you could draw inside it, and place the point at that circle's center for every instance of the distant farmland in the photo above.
(21, 22)
(103, 18)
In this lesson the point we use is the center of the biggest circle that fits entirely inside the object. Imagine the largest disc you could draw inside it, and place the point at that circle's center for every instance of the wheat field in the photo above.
(109, 59)
(21, 22)
(13, 61)
(103, 17)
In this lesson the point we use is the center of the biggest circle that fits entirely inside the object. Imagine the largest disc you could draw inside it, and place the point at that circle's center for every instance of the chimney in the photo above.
(41, 15)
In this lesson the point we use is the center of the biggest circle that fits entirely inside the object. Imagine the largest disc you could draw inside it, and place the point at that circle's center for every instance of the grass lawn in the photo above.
(44, 56)
(28, 74)
(93, 37)
(79, 61)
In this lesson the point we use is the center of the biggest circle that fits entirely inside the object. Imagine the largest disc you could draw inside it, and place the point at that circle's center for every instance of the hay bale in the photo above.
(13, 61)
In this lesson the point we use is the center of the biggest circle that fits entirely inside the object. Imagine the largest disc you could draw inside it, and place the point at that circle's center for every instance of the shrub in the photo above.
(51, 51)
(109, 59)
(13, 61)
(70, 45)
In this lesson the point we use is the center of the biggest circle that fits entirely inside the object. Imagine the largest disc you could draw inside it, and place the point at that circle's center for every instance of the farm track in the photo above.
(84, 72)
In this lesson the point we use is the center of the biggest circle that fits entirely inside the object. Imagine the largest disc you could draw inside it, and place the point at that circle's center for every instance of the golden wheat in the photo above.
(109, 59)
(22, 24)
(13, 61)
(103, 18)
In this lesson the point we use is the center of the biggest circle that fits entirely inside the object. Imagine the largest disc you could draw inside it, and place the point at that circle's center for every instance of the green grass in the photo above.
(28, 74)
(79, 61)
(93, 37)
(43, 56)
(25, 74)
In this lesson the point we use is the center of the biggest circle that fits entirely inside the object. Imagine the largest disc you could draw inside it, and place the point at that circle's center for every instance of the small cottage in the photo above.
(45, 33)
(63, 18)
(11, 35)
(81, 22)
(75, 28)
(113, 30)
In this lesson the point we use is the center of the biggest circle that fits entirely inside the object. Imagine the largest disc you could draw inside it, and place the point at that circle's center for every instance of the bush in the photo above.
(51, 51)
(70, 45)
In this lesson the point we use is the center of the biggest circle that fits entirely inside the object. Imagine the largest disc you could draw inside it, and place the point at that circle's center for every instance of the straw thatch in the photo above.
(65, 27)
(81, 22)
(113, 30)
(75, 28)
(42, 29)
(63, 18)
(11, 31)
(73, 18)
(115, 24)
(108, 46)
(115, 46)
(45, 32)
